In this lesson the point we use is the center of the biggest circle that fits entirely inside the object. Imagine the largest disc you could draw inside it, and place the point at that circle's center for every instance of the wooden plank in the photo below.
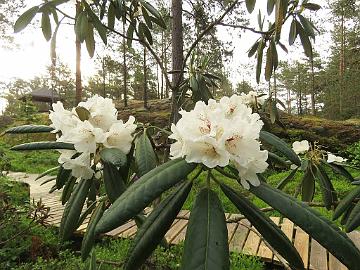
(115, 232)
(177, 226)
(287, 227)
(318, 256)
(301, 243)
(264, 251)
(335, 264)
(231, 228)
(239, 237)
(355, 237)
(180, 233)
(252, 243)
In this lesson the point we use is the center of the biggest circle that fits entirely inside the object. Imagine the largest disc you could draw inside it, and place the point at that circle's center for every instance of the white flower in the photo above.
(62, 120)
(84, 137)
(102, 111)
(80, 167)
(218, 133)
(66, 155)
(332, 158)
(301, 147)
(120, 135)
(252, 98)
(293, 166)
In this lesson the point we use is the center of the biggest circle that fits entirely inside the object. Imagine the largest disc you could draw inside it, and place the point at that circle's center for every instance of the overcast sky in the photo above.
(32, 56)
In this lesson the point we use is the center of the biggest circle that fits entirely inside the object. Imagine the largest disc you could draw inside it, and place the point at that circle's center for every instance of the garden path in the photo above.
(242, 237)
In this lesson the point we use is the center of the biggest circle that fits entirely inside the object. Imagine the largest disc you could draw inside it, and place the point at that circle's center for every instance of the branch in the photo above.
(244, 28)
(202, 34)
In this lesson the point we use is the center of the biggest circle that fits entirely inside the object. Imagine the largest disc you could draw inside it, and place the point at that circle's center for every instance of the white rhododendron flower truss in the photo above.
(219, 133)
(101, 129)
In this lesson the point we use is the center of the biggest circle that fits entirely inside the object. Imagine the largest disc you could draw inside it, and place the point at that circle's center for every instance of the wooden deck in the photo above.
(241, 238)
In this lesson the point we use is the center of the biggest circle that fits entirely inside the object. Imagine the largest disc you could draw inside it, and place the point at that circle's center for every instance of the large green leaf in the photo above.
(47, 172)
(29, 129)
(145, 156)
(346, 202)
(340, 170)
(159, 19)
(305, 41)
(287, 179)
(155, 226)
(354, 219)
(206, 242)
(43, 146)
(142, 192)
(280, 13)
(46, 25)
(281, 146)
(25, 19)
(266, 227)
(250, 5)
(270, 6)
(293, 32)
(70, 217)
(259, 60)
(277, 160)
(113, 156)
(307, 26)
(90, 40)
(62, 177)
(327, 189)
(318, 227)
(89, 236)
(68, 189)
(114, 183)
(308, 184)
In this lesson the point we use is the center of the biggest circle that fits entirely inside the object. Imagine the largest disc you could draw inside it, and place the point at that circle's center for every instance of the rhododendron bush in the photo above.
(99, 150)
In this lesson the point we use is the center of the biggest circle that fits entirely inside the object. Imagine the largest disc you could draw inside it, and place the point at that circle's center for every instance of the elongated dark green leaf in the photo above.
(270, 6)
(307, 26)
(327, 189)
(145, 157)
(113, 156)
(308, 185)
(318, 227)
(96, 22)
(68, 189)
(142, 192)
(155, 226)
(277, 160)
(253, 49)
(154, 12)
(46, 26)
(89, 236)
(70, 217)
(250, 5)
(29, 129)
(281, 8)
(354, 219)
(62, 176)
(83, 113)
(340, 170)
(147, 18)
(305, 41)
(293, 32)
(260, 52)
(47, 172)
(90, 40)
(160, 22)
(48, 180)
(346, 215)
(25, 19)
(114, 183)
(87, 212)
(269, 66)
(311, 6)
(43, 146)
(206, 241)
(266, 227)
(130, 34)
(346, 202)
(287, 179)
(145, 32)
(281, 146)
(111, 16)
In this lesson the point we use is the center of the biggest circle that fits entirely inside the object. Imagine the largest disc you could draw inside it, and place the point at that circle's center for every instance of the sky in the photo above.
(33, 53)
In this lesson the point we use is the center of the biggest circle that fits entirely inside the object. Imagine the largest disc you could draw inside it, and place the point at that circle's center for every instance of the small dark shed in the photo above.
(42, 98)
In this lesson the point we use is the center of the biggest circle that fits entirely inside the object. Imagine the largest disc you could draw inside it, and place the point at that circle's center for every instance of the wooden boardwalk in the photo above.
(242, 238)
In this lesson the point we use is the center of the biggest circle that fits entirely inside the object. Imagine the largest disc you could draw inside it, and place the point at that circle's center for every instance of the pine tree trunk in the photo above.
(145, 81)
(78, 86)
(124, 69)
(177, 57)
(313, 109)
